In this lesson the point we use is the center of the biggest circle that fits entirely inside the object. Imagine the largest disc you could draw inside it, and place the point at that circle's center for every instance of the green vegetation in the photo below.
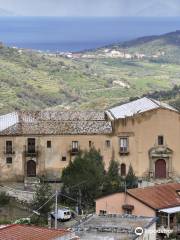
(4, 199)
(112, 181)
(32, 80)
(85, 179)
(131, 179)
(41, 204)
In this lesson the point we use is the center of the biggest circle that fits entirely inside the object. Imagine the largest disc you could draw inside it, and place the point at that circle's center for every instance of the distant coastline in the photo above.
(63, 34)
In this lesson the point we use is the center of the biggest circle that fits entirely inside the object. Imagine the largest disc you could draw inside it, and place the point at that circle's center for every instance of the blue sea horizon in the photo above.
(68, 34)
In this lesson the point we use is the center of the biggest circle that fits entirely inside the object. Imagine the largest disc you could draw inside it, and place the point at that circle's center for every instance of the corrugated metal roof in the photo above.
(158, 196)
(170, 210)
(8, 120)
(136, 107)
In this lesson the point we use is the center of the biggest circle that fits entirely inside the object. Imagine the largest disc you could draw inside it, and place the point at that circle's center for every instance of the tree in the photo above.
(42, 194)
(112, 179)
(84, 176)
(131, 179)
(4, 199)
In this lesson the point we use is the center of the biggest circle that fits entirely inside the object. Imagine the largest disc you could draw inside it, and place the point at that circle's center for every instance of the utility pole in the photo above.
(80, 209)
(56, 209)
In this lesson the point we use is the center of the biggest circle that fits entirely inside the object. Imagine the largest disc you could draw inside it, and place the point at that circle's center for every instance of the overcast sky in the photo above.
(93, 7)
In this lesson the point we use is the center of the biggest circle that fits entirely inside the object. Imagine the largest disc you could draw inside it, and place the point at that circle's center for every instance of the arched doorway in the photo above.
(160, 168)
(123, 169)
(31, 168)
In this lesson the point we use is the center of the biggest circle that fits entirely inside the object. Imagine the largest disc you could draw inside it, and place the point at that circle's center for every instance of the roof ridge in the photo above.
(157, 102)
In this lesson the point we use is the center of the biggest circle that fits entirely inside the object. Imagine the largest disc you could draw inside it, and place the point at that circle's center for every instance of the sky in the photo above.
(100, 8)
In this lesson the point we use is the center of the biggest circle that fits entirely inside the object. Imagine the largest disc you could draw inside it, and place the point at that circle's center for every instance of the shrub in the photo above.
(4, 198)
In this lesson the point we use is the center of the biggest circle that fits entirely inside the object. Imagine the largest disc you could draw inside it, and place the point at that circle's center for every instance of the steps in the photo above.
(30, 183)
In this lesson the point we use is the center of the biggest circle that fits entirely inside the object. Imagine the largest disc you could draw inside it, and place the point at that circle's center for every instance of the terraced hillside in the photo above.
(34, 80)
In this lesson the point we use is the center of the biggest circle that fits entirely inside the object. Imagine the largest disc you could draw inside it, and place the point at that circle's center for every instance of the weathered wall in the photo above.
(24, 196)
(113, 205)
(143, 131)
(49, 161)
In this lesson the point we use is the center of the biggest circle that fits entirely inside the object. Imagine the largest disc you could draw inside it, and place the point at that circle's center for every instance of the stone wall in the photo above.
(22, 196)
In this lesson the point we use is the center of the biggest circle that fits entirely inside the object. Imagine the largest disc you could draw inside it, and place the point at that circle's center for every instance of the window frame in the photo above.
(63, 158)
(9, 162)
(49, 144)
(124, 149)
(108, 143)
(31, 145)
(9, 149)
(75, 145)
(160, 140)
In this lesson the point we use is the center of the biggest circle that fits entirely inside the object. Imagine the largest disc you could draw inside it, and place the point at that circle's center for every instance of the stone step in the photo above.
(30, 183)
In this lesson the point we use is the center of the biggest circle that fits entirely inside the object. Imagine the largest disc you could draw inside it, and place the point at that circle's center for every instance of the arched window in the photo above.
(123, 169)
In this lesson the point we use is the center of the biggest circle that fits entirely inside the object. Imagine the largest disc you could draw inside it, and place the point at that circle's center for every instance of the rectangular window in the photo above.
(108, 143)
(9, 149)
(128, 211)
(102, 212)
(160, 140)
(75, 145)
(31, 145)
(48, 144)
(63, 158)
(9, 160)
(124, 145)
(90, 144)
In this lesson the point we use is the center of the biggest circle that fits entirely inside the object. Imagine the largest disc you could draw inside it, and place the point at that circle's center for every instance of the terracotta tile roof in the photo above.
(54, 123)
(158, 196)
(25, 232)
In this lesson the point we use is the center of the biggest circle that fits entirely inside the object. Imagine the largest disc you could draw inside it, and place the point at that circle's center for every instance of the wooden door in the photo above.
(160, 168)
(123, 169)
(31, 168)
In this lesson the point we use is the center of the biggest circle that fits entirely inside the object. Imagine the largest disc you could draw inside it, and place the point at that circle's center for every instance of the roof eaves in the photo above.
(140, 200)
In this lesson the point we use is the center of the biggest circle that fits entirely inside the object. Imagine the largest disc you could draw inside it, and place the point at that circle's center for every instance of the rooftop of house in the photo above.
(54, 123)
(25, 232)
(158, 196)
(73, 122)
(111, 226)
(136, 107)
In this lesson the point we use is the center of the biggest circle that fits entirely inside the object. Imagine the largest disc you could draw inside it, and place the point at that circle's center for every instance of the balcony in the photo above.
(123, 151)
(74, 151)
(128, 207)
(31, 151)
(9, 151)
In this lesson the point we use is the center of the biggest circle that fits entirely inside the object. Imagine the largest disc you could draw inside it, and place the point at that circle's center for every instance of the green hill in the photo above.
(34, 80)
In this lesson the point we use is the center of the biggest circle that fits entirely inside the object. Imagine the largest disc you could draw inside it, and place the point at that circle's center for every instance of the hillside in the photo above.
(95, 79)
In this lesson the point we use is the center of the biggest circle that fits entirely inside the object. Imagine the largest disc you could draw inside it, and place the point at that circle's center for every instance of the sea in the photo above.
(70, 34)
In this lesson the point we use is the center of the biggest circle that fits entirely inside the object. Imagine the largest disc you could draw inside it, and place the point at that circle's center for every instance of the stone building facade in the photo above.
(144, 133)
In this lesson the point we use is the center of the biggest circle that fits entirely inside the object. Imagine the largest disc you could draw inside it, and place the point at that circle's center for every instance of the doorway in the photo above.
(160, 168)
(31, 168)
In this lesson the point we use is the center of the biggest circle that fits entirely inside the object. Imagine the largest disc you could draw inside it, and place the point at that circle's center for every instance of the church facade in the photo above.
(144, 133)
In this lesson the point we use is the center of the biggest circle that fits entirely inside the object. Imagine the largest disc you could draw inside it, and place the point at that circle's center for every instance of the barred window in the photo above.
(9, 147)
(48, 144)
(9, 160)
